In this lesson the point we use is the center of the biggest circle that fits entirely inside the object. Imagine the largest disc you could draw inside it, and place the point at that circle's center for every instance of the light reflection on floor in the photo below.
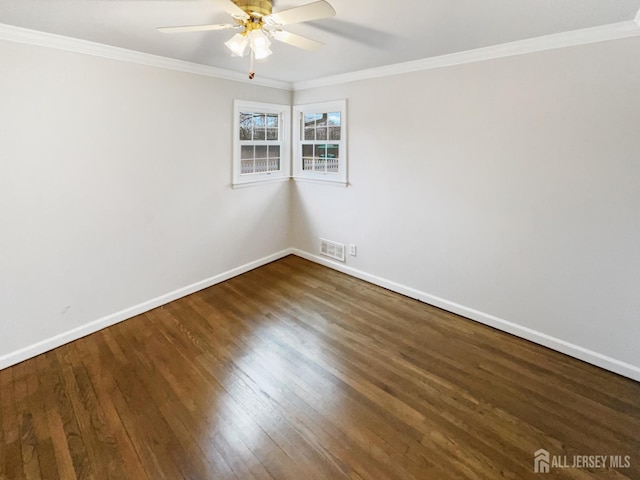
(253, 409)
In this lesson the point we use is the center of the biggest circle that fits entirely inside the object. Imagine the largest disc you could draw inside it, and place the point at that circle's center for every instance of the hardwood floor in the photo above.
(294, 371)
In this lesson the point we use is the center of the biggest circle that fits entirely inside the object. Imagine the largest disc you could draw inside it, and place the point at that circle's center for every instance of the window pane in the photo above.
(259, 134)
(246, 166)
(321, 120)
(246, 119)
(246, 151)
(261, 151)
(333, 161)
(307, 150)
(274, 164)
(272, 121)
(261, 165)
(246, 126)
(334, 133)
(334, 118)
(272, 134)
(310, 119)
(259, 120)
(321, 133)
(307, 164)
(319, 165)
(274, 151)
(320, 151)
(309, 133)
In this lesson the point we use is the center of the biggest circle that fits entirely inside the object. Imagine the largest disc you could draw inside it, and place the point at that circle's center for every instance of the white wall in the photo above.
(505, 190)
(510, 187)
(115, 190)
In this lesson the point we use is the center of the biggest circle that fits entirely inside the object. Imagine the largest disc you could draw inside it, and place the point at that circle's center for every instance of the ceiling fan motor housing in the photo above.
(262, 7)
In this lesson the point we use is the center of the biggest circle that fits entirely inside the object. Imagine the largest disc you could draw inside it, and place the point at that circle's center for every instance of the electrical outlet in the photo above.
(353, 249)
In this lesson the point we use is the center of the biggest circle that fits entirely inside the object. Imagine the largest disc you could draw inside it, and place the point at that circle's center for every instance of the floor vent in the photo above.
(332, 249)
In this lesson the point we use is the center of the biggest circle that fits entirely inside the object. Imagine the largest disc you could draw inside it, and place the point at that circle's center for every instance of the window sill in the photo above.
(255, 183)
(320, 181)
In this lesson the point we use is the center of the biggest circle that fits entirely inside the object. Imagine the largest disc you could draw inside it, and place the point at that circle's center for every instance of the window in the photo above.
(260, 142)
(320, 135)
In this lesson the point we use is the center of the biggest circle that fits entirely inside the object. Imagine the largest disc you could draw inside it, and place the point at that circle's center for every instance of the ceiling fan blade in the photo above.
(195, 28)
(296, 40)
(305, 13)
(231, 8)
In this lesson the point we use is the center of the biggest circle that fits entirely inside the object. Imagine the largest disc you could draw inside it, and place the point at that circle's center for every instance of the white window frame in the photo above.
(284, 141)
(337, 178)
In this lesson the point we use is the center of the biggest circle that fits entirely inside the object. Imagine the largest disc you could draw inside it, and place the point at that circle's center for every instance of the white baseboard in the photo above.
(576, 351)
(96, 325)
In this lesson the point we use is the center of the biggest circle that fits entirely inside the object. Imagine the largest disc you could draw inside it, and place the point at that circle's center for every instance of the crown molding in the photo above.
(548, 42)
(584, 36)
(32, 37)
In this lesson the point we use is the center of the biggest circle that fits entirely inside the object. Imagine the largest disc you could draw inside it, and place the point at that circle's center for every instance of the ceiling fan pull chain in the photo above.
(251, 72)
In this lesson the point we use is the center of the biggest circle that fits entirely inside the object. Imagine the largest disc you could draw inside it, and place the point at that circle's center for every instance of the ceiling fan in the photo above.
(257, 24)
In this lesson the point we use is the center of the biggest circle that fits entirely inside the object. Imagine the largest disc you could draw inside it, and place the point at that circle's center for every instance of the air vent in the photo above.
(332, 249)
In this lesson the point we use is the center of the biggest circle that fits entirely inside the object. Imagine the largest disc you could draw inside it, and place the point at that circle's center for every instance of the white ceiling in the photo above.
(364, 34)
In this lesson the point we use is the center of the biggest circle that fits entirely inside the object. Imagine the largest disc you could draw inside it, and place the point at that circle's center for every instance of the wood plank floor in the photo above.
(294, 371)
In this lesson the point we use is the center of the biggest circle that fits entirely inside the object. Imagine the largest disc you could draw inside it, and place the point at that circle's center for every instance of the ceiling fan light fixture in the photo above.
(256, 21)
(259, 43)
(237, 44)
(262, 53)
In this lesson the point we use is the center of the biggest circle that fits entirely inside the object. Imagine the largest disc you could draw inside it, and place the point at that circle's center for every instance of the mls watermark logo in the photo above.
(541, 461)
